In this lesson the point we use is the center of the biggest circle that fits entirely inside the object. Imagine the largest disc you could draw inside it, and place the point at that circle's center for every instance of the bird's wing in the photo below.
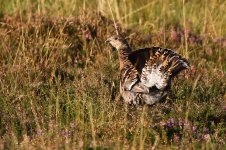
(156, 66)
(141, 56)
(130, 80)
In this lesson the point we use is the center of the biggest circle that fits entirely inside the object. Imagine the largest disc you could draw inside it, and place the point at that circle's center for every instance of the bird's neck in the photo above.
(124, 52)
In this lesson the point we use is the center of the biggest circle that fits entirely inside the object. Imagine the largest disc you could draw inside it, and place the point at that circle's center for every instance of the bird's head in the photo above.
(117, 42)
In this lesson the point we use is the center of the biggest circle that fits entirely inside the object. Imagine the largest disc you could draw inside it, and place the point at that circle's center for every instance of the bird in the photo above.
(146, 74)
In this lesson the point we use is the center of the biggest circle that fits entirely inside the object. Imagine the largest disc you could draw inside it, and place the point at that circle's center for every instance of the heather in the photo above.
(59, 81)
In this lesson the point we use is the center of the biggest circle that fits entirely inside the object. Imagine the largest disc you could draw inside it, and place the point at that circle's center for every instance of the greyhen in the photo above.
(146, 74)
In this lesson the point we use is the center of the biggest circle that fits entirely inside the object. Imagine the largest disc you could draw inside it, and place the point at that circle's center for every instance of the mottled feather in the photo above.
(145, 74)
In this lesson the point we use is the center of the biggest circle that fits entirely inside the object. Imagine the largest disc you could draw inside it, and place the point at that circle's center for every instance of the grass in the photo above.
(59, 82)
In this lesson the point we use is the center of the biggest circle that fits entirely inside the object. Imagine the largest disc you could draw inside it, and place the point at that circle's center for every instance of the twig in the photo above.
(113, 18)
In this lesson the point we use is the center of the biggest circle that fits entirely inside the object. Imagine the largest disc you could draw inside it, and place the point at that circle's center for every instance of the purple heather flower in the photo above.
(87, 35)
(170, 123)
(193, 128)
(221, 41)
(65, 133)
(206, 136)
(180, 123)
(224, 108)
(205, 129)
(174, 36)
(176, 138)
(171, 120)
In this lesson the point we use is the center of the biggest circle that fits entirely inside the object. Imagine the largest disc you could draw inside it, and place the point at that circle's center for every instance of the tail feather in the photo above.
(161, 67)
(179, 66)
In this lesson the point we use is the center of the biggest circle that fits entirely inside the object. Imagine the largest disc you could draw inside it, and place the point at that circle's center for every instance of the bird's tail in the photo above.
(172, 63)
(161, 67)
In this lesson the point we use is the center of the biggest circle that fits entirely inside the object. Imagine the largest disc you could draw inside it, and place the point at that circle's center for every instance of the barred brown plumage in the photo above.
(145, 74)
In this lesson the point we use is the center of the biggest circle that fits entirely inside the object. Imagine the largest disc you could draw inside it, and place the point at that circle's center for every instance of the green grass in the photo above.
(59, 81)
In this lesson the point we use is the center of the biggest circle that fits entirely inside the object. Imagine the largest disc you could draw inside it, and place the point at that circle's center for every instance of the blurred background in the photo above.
(201, 16)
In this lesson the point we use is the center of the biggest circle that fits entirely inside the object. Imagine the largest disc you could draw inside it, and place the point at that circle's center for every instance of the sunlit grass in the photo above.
(59, 82)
